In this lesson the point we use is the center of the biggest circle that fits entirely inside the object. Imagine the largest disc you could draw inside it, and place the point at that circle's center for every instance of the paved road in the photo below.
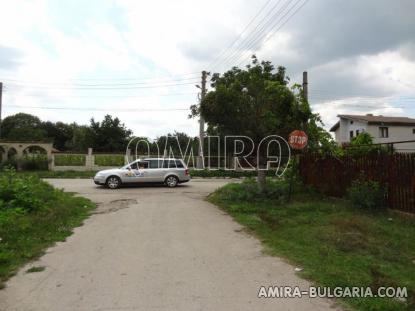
(154, 248)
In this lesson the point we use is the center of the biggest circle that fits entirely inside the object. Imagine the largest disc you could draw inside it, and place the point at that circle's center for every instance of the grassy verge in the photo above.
(193, 173)
(33, 215)
(336, 244)
(58, 174)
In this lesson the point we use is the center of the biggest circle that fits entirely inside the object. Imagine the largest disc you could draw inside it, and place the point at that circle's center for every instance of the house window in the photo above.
(413, 131)
(351, 122)
(351, 134)
(383, 132)
(357, 132)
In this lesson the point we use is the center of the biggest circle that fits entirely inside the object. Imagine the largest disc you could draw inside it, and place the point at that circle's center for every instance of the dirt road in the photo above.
(154, 248)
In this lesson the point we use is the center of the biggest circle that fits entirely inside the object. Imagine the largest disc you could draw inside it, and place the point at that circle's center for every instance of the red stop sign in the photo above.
(298, 139)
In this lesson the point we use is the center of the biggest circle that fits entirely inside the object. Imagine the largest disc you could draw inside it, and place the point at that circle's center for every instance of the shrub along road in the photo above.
(154, 248)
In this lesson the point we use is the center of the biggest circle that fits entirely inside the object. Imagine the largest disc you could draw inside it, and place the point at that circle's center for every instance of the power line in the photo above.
(330, 94)
(251, 33)
(43, 84)
(99, 109)
(101, 96)
(268, 19)
(225, 50)
(275, 25)
(101, 87)
(362, 98)
(70, 80)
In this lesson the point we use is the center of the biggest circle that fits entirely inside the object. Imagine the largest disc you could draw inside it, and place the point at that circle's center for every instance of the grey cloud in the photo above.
(9, 57)
(407, 50)
(205, 46)
(330, 36)
(327, 30)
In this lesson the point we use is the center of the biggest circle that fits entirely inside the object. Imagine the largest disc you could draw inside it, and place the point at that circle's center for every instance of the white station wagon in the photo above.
(169, 171)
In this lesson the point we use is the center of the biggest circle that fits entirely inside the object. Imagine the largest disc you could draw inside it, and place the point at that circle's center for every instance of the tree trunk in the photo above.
(262, 174)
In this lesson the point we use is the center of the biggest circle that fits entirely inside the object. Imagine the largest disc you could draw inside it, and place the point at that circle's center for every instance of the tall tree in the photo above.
(177, 142)
(23, 127)
(255, 102)
(61, 133)
(82, 138)
(110, 134)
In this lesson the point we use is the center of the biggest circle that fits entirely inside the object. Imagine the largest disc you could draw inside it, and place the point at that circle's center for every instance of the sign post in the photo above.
(298, 141)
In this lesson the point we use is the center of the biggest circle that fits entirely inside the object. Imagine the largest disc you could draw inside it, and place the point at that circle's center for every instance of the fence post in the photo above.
(89, 160)
(52, 163)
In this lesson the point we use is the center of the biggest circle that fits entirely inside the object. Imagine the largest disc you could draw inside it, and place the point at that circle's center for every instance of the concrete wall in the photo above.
(20, 148)
(89, 164)
(396, 133)
(342, 134)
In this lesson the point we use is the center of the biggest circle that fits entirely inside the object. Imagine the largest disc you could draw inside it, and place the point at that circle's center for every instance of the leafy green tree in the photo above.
(320, 141)
(178, 141)
(255, 102)
(82, 138)
(110, 134)
(362, 144)
(23, 127)
(61, 133)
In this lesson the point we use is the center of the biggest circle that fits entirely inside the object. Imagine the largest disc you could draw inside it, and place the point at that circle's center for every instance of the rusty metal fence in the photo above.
(333, 175)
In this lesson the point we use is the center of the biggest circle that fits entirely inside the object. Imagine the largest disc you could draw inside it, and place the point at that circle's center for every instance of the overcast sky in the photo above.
(120, 57)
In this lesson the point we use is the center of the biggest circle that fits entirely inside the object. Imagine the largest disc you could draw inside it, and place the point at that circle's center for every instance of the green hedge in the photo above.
(226, 173)
(70, 159)
(109, 160)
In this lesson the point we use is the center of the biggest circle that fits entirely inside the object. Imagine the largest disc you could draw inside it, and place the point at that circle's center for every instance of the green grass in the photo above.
(58, 174)
(226, 173)
(109, 160)
(33, 216)
(35, 269)
(336, 244)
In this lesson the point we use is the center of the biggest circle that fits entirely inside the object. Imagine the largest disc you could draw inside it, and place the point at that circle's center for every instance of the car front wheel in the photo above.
(171, 181)
(113, 182)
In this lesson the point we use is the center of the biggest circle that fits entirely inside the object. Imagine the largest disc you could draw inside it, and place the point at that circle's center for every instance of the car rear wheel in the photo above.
(113, 182)
(171, 181)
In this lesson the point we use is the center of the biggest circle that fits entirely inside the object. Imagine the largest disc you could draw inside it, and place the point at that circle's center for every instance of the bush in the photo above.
(33, 215)
(249, 191)
(34, 162)
(9, 163)
(227, 173)
(109, 160)
(70, 159)
(367, 195)
(24, 193)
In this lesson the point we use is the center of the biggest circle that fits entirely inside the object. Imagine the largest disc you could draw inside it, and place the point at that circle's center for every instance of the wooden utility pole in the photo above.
(200, 160)
(305, 85)
(1, 97)
(298, 152)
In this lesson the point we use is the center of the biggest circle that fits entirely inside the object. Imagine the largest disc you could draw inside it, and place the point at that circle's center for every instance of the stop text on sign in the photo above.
(298, 139)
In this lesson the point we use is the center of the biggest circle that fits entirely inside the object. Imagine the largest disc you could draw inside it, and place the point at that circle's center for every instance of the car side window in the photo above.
(134, 166)
(172, 164)
(142, 165)
(154, 164)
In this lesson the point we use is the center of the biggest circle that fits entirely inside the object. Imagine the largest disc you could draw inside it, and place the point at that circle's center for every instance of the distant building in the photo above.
(382, 129)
